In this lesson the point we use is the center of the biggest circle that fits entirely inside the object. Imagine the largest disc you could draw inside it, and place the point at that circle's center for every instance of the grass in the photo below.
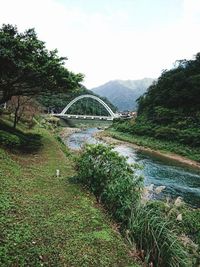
(48, 221)
(153, 143)
(153, 226)
(153, 235)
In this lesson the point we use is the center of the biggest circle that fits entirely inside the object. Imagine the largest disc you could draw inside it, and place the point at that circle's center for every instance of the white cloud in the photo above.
(192, 9)
(106, 46)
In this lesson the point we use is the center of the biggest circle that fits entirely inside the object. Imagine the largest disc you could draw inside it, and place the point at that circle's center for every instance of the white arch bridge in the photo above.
(64, 113)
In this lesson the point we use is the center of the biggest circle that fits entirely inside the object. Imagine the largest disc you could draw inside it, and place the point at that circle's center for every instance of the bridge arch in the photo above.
(112, 114)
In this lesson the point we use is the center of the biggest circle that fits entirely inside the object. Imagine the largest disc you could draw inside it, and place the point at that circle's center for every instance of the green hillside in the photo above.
(58, 101)
(169, 112)
(47, 220)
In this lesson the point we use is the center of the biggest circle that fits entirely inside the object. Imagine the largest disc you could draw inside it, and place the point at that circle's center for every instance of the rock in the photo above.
(178, 202)
(159, 189)
(179, 218)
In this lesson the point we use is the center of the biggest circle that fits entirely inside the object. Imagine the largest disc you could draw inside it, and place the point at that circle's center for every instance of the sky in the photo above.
(112, 39)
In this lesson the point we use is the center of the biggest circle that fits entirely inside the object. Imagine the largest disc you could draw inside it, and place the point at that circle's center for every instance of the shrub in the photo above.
(110, 178)
(191, 224)
(190, 137)
(153, 234)
(1, 110)
(31, 142)
(9, 140)
(18, 140)
(143, 129)
(152, 227)
(166, 133)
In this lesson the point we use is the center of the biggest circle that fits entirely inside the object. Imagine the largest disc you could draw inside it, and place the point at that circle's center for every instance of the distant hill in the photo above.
(123, 94)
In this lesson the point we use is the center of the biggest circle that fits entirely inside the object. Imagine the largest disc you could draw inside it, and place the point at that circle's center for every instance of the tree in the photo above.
(58, 101)
(23, 107)
(176, 89)
(27, 67)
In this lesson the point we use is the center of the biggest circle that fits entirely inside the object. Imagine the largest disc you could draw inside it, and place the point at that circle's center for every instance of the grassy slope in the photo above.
(47, 221)
(156, 144)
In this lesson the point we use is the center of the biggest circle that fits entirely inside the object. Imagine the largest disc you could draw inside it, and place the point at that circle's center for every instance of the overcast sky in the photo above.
(112, 39)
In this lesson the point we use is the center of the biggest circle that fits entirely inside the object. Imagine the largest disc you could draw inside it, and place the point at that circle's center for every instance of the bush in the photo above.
(190, 137)
(1, 110)
(166, 133)
(153, 235)
(152, 227)
(31, 142)
(111, 179)
(191, 224)
(18, 140)
(9, 140)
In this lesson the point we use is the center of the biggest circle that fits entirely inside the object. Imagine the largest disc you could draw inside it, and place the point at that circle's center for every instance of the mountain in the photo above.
(123, 94)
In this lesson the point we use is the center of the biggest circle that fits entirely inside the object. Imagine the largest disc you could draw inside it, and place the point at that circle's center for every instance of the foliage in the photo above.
(47, 221)
(169, 110)
(58, 101)
(153, 226)
(191, 225)
(153, 234)
(157, 144)
(9, 140)
(111, 179)
(19, 141)
(170, 107)
(187, 228)
(28, 68)
(50, 123)
(24, 108)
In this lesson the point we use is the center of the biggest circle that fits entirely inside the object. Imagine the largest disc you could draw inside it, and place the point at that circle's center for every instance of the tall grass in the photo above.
(115, 183)
(153, 235)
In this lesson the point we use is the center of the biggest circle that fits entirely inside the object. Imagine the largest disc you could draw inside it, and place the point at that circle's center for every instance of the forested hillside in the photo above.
(58, 101)
(123, 93)
(170, 109)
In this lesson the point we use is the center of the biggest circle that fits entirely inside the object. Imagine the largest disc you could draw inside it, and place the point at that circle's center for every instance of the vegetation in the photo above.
(58, 101)
(111, 179)
(46, 220)
(28, 68)
(152, 234)
(24, 108)
(118, 132)
(169, 110)
(17, 140)
(166, 234)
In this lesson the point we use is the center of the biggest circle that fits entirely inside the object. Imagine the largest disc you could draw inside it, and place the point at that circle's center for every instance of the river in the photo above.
(178, 179)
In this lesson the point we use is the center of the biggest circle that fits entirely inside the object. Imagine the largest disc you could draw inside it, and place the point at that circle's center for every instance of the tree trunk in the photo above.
(16, 119)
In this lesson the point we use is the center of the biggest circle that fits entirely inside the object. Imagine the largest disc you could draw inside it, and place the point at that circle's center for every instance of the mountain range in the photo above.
(123, 93)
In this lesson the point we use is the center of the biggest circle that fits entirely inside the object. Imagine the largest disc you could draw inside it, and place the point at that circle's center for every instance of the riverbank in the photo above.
(49, 221)
(67, 131)
(145, 144)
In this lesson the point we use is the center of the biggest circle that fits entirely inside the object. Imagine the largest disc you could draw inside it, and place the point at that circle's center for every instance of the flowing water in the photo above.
(179, 179)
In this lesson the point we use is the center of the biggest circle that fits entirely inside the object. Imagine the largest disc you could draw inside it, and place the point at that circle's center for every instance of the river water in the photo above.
(178, 179)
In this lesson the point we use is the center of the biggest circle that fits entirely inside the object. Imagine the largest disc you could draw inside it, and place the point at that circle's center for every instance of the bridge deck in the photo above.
(91, 117)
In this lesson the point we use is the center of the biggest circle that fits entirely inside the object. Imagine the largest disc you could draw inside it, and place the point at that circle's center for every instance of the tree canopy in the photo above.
(27, 67)
(58, 101)
(177, 89)
(170, 109)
